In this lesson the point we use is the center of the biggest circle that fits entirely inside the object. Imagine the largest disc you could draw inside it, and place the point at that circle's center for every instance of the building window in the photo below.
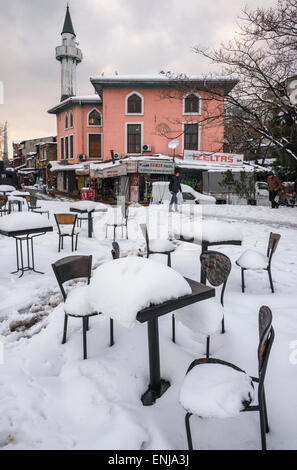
(94, 118)
(191, 137)
(94, 145)
(62, 148)
(133, 138)
(192, 104)
(71, 119)
(134, 104)
(66, 121)
(71, 154)
(66, 147)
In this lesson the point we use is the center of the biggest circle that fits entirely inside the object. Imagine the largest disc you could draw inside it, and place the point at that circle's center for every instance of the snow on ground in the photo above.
(51, 398)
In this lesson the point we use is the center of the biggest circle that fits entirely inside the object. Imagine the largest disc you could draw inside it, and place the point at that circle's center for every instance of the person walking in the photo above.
(174, 188)
(274, 186)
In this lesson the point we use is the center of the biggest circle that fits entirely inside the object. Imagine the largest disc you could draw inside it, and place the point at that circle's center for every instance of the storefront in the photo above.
(112, 181)
(150, 171)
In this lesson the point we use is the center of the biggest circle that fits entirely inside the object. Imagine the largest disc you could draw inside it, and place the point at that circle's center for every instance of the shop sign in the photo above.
(156, 167)
(110, 172)
(213, 158)
(131, 166)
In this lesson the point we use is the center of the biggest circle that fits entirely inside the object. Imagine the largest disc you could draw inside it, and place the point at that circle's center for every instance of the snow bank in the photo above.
(203, 318)
(123, 287)
(216, 391)
(23, 221)
(252, 259)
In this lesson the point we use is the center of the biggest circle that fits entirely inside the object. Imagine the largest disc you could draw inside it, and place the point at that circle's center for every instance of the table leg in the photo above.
(90, 224)
(204, 247)
(157, 385)
(30, 256)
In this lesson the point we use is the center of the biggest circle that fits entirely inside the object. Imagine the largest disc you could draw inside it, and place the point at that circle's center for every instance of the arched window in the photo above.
(71, 119)
(192, 104)
(66, 121)
(94, 118)
(134, 104)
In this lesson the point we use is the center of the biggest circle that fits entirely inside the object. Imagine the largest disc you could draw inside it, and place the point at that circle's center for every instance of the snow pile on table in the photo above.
(23, 221)
(216, 391)
(123, 287)
(252, 259)
(203, 318)
(209, 230)
(6, 188)
(161, 245)
(77, 302)
(88, 206)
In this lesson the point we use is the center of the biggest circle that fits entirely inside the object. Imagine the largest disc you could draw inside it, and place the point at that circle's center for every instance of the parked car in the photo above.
(161, 194)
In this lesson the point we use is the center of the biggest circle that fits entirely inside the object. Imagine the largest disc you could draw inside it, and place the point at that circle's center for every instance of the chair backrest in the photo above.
(125, 211)
(272, 244)
(72, 267)
(3, 200)
(216, 267)
(144, 231)
(266, 338)
(33, 201)
(115, 252)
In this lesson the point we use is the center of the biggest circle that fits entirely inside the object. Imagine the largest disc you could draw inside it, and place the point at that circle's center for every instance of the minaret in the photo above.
(5, 147)
(69, 56)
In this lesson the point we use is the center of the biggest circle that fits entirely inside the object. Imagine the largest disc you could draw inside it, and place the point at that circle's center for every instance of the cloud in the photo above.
(130, 36)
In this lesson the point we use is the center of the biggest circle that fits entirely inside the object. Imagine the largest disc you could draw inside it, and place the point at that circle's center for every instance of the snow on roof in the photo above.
(161, 77)
(75, 100)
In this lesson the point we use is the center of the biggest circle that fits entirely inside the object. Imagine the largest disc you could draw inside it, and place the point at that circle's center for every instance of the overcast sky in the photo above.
(128, 36)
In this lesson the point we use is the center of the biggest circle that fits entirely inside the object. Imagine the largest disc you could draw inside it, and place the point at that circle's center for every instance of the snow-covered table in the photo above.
(6, 188)
(208, 233)
(88, 207)
(24, 227)
(135, 289)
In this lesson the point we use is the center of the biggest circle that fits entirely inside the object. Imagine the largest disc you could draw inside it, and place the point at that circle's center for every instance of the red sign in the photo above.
(213, 158)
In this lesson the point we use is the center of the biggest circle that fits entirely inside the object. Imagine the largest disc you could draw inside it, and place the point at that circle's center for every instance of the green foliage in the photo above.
(244, 186)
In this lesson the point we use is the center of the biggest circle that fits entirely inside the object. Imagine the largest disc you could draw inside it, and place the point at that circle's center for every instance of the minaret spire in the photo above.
(69, 56)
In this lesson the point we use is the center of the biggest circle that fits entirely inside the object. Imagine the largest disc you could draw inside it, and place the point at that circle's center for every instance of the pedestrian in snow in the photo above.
(274, 186)
(174, 188)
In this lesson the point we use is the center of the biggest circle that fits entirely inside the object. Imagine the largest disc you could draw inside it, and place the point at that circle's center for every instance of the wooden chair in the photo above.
(207, 317)
(69, 268)
(66, 228)
(253, 260)
(3, 207)
(192, 400)
(157, 246)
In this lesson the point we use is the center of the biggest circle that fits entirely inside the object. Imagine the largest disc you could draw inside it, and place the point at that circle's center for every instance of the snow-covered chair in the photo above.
(117, 217)
(66, 228)
(75, 302)
(207, 317)
(115, 252)
(218, 389)
(32, 206)
(253, 260)
(157, 245)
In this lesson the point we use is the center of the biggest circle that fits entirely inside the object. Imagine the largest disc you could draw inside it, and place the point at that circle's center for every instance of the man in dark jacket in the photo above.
(274, 186)
(174, 188)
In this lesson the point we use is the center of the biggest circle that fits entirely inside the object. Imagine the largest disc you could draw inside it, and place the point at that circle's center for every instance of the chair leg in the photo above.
(262, 425)
(223, 325)
(65, 329)
(88, 323)
(188, 431)
(265, 411)
(207, 346)
(173, 328)
(242, 280)
(62, 243)
(111, 342)
(114, 233)
(59, 249)
(127, 231)
(270, 280)
(169, 260)
(84, 321)
(71, 242)
(76, 242)
(106, 231)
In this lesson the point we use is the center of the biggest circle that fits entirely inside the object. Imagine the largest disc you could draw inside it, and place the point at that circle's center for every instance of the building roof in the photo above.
(74, 100)
(68, 26)
(163, 80)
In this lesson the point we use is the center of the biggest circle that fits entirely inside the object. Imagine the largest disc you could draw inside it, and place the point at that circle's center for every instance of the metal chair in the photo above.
(120, 220)
(66, 228)
(216, 268)
(157, 246)
(76, 267)
(262, 262)
(115, 252)
(266, 338)
(32, 206)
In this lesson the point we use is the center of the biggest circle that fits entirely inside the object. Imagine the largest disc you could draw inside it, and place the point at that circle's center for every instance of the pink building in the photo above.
(133, 116)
